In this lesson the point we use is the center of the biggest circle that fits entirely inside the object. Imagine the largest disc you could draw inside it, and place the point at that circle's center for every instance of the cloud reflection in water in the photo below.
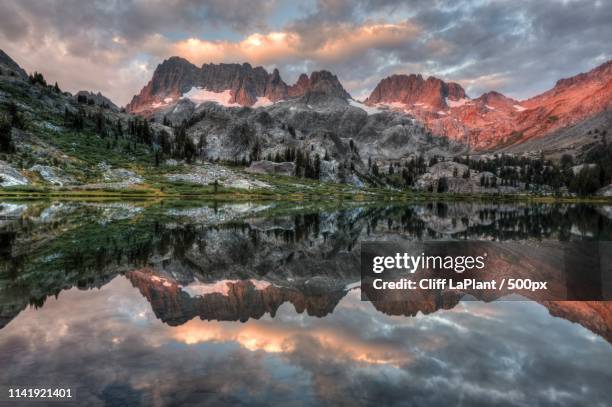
(502, 353)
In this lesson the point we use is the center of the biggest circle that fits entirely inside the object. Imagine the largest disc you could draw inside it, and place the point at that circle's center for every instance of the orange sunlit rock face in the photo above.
(494, 120)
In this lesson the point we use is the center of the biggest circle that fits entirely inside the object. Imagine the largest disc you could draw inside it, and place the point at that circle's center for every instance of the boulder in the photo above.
(329, 171)
(119, 175)
(52, 175)
(269, 167)
(605, 191)
(447, 169)
(577, 168)
(458, 184)
(10, 176)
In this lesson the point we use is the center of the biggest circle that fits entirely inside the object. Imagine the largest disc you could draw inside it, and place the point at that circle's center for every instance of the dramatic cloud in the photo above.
(334, 44)
(518, 47)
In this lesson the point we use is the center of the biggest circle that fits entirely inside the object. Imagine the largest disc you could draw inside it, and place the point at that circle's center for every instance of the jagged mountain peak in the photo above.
(231, 84)
(495, 120)
(488, 121)
(494, 99)
(321, 82)
(413, 90)
(176, 60)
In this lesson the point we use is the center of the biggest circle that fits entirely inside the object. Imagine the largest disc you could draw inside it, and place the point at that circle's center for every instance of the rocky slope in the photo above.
(11, 67)
(494, 121)
(574, 140)
(61, 139)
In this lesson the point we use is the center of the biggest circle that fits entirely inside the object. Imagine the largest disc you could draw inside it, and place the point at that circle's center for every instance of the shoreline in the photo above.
(365, 196)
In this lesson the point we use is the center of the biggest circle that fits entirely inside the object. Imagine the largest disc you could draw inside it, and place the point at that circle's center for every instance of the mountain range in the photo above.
(235, 84)
(489, 122)
(411, 132)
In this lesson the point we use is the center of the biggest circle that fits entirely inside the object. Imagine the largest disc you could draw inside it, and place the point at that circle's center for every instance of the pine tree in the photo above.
(37, 79)
(16, 118)
(146, 133)
(255, 152)
(442, 184)
(299, 164)
(202, 143)
(375, 169)
(6, 139)
(99, 119)
(190, 150)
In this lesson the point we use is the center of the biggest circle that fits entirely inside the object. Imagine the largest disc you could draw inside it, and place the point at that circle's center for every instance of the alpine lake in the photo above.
(172, 302)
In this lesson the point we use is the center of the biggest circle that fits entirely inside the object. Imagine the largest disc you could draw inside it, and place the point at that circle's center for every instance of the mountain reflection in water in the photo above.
(140, 304)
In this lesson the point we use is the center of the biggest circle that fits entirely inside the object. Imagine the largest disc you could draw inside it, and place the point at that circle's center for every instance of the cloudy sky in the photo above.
(518, 47)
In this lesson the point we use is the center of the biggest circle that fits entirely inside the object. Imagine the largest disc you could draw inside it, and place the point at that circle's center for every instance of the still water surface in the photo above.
(257, 304)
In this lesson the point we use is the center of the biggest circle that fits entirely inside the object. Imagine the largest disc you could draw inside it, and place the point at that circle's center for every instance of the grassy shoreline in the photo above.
(301, 193)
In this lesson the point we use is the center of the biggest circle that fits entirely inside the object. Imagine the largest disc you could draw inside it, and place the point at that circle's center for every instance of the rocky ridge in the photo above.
(493, 120)
(174, 78)
(97, 99)
(7, 63)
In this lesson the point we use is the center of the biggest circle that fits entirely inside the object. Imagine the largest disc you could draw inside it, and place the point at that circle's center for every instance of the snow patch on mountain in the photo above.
(368, 109)
(199, 289)
(394, 105)
(262, 102)
(457, 103)
(198, 96)
(519, 108)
